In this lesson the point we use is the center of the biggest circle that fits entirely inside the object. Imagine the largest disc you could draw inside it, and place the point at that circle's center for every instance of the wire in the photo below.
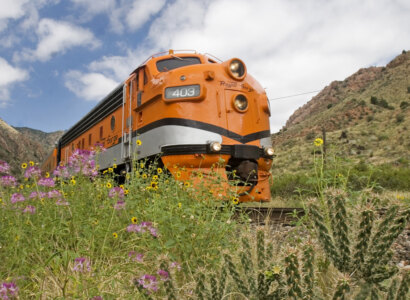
(290, 96)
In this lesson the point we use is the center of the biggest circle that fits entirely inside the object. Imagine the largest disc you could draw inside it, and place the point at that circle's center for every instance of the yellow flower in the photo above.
(105, 172)
(154, 185)
(187, 184)
(178, 174)
(138, 142)
(144, 176)
(122, 186)
(142, 165)
(110, 170)
(179, 204)
(23, 165)
(115, 235)
(159, 171)
(21, 186)
(73, 181)
(31, 163)
(95, 222)
(318, 142)
(200, 175)
(134, 220)
(155, 177)
(276, 270)
(114, 166)
(47, 175)
(126, 192)
(235, 200)
(108, 185)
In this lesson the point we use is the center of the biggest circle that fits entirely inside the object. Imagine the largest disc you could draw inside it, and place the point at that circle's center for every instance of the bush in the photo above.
(399, 118)
(404, 104)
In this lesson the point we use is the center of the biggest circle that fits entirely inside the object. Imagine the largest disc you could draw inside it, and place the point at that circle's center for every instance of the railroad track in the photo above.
(272, 215)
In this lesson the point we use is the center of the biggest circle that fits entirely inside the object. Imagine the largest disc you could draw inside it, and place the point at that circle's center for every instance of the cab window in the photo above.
(176, 62)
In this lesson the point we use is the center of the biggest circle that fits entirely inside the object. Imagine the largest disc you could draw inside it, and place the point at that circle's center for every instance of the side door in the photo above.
(128, 100)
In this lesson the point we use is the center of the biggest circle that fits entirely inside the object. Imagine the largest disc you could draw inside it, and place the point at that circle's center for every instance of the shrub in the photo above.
(374, 101)
(399, 118)
(404, 104)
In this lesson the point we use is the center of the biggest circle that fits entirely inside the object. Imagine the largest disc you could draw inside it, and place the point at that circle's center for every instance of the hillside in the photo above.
(24, 144)
(366, 118)
(47, 140)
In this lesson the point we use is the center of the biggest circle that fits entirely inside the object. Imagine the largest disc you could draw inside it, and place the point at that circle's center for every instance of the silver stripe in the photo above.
(153, 140)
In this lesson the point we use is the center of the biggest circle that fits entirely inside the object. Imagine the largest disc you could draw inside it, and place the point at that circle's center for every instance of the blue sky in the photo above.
(58, 58)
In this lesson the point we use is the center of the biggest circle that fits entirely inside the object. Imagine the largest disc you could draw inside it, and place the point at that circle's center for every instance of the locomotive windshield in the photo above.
(176, 62)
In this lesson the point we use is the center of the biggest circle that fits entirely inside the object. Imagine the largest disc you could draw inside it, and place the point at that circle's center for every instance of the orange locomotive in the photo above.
(189, 109)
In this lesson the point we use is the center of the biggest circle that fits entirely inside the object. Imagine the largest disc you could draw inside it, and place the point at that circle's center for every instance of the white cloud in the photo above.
(12, 9)
(89, 86)
(141, 11)
(289, 46)
(57, 37)
(9, 75)
(102, 76)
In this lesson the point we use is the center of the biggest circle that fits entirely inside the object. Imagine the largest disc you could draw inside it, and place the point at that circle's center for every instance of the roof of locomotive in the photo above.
(177, 53)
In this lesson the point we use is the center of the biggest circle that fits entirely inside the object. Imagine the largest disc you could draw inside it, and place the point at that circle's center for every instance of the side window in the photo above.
(145, 77)
(112, 123)
(89, 140)
(101, 132)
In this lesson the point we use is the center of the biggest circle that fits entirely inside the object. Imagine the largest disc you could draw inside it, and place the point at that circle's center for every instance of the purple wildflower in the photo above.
(99, 148)
(148, 282)
(135, 256)
(119, 205)
(30, 209)
(8, 290)
(116, 192)
(4, 167)
(8, 180)
(82, 264)
(39, 195)
(143, 227)
(163, 274)
(175, 265)
(16, 197)
(32, 171)
(54, 194)
(49, 182)
(61, 171)
(82, 161)
(62, 202)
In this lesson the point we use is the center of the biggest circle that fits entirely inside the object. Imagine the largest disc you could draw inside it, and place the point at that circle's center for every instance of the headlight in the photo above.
(215, 146)
(240, 102)
(269, 151)
(237, 69)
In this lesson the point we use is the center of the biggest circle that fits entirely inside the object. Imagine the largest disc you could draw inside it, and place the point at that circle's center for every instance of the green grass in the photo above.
(86, 243)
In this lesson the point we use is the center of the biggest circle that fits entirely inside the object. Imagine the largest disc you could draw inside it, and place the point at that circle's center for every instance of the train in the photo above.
(185, 109)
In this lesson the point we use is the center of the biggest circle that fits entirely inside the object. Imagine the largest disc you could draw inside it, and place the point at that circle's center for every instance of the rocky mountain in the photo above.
(365, 117)
(46, 139)
(18, 145)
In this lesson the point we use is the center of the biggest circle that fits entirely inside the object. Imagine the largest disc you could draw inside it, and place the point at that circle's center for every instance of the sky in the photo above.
(58, 58)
